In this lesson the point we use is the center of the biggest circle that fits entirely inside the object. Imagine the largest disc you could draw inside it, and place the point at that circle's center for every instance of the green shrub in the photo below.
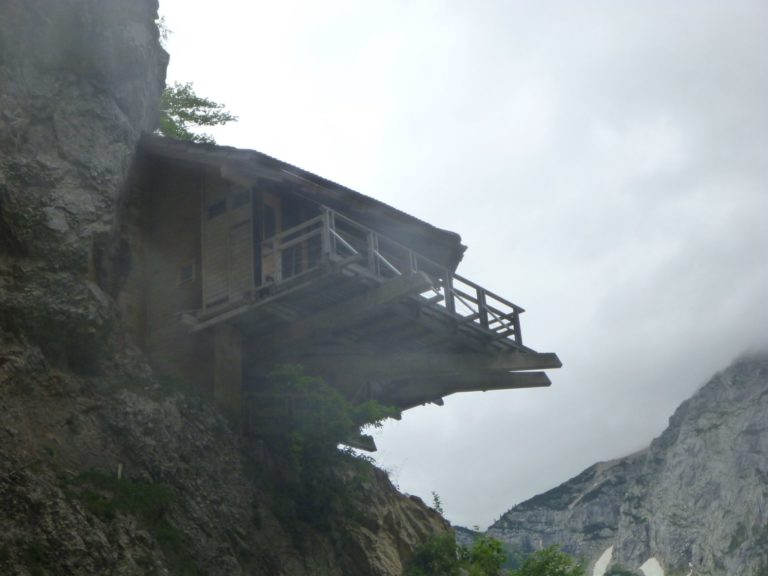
(305, 413)
(442, 556)
(550, 562)
(486, 557)
(303, 421)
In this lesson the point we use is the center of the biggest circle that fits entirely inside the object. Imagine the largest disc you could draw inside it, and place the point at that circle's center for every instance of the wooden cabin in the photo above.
(238, 261)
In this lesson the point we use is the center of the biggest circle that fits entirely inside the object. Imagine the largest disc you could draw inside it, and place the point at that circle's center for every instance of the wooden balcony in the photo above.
(269, 264)
(331, 271)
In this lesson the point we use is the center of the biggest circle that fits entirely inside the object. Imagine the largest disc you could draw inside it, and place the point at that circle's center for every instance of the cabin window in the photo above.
(217, 209)
(187, 273)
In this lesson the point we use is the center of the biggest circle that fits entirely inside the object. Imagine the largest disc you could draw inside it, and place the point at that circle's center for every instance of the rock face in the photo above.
(581, 515)
(698, 494)
(102, 471)
(79, 83)
(193, 498)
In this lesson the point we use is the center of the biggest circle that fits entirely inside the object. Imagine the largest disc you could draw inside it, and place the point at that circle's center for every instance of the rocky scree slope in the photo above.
(103, 471)
(698, 494)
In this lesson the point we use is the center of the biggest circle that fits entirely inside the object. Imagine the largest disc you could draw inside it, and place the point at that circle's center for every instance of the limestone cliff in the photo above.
(103, 470)
(581, 515)
(194, 498)
(698, 494)
(79, 83)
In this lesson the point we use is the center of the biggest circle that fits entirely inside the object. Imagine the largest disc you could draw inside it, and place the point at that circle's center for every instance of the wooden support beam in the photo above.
(482, 382)
(432, 364)
(354, 310)
(409, 394)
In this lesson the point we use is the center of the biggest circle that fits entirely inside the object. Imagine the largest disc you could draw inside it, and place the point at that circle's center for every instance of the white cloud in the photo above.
(603, 161)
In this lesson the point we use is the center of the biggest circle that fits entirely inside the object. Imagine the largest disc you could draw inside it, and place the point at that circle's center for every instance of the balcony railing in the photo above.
(333, 238)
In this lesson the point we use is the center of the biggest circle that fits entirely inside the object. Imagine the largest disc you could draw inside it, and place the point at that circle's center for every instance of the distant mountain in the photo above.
(694, 502)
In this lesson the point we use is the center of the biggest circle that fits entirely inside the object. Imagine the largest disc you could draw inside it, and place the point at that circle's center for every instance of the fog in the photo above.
(605, 163)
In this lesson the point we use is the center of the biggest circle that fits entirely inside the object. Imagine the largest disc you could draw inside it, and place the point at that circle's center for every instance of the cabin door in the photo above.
(272, 217)
(227, 245)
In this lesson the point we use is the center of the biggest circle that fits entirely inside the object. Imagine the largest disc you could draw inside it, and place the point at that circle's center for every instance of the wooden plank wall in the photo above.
(215, 224)
(172, 277)
(241, 281)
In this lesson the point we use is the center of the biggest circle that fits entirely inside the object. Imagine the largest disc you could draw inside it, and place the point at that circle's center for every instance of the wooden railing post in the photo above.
(325, 237)
(450, 301)
(413, 262)
(372, 248)
(278, 259)
(482, 308)
(518, 333)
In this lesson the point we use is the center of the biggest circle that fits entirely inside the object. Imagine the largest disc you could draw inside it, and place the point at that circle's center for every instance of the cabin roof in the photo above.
(250, 166)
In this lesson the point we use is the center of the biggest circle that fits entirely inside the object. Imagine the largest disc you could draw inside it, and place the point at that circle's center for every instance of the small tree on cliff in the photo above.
(181, 110)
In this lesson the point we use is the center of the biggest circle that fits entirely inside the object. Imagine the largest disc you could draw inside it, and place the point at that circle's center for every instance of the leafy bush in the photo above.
(485, 557)
(442, 556)
(303, 420)
(306, 416)
(550, 562)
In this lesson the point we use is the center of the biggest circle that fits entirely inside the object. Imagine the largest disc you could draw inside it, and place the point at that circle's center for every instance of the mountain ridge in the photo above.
(697, 494)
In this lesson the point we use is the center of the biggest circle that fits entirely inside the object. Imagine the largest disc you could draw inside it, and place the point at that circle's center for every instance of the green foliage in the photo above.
(304, 420)
(550, 562)
(486, 557)
(181, 111)
(36, 558)
(442, 556)
(163, 31)
(438, 556)
(312, 418)
(437, 504)
(514, 556)
(106, 496)
(34, 555)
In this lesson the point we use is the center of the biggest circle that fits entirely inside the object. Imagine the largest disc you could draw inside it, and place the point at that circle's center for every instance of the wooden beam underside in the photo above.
(349, 313)
(380, 366)
(407, 394)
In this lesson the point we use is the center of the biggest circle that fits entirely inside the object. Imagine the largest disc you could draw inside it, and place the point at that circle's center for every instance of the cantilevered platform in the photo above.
(232, 262)
(379, 319)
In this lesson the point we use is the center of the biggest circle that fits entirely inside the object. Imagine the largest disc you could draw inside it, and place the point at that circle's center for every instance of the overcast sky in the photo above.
(605, 162)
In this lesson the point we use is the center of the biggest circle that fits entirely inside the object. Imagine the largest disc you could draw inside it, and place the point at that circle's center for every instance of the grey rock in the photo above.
(581, 515)
(698, 494)
(80, 80)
